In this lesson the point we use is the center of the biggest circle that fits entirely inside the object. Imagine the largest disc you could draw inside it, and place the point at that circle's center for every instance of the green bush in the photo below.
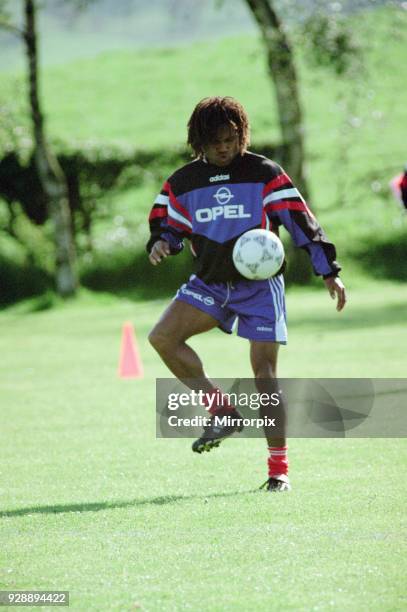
(384, 256)
(21, 280)
(130, 272)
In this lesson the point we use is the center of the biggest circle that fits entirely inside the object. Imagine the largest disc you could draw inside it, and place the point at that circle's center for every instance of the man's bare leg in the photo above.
(178, 323)
(263, 356)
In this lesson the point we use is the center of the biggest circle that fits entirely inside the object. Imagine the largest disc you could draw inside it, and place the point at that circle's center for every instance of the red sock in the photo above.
(220, 402)
(277, 461)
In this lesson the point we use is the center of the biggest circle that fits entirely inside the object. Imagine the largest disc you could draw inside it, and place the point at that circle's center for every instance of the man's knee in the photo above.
(263, 357)
(265, 370)
(265, 366)
(160, 340)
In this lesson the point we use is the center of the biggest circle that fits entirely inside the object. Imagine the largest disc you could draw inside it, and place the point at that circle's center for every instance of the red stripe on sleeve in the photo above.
(287, 205)
(158, 213)
(180, 226)
(280, 181)
(176, 204)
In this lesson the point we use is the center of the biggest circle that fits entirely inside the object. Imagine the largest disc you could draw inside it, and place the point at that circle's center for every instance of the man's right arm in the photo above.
(159, 251)
(166, 237)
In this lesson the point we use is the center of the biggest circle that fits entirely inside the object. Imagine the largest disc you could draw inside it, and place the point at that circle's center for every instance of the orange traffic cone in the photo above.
(130, 365)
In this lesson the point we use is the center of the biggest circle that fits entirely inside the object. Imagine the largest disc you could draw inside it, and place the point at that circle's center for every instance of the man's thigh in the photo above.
(181, 321)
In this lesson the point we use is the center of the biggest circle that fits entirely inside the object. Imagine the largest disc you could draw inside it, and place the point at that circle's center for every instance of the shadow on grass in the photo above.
(98, 506)
(359, 318)
(384, 256)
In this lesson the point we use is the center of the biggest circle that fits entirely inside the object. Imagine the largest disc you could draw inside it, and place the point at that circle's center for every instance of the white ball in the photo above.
(258, 254)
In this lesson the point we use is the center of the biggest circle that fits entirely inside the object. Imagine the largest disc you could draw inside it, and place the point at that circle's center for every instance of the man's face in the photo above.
(224, 148)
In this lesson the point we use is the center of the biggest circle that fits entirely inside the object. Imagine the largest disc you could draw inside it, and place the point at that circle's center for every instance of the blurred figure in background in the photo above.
(398, 186)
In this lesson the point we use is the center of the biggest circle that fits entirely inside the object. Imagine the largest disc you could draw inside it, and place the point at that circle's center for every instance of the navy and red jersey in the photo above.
(213, 206)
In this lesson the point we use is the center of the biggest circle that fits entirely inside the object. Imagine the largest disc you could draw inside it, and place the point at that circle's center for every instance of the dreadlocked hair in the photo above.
(212, 113)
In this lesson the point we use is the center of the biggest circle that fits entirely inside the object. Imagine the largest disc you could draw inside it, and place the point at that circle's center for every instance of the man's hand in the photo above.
(336, 288)
(160, 250)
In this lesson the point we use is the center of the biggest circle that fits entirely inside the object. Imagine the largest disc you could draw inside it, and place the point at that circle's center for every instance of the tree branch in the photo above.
(5, 25)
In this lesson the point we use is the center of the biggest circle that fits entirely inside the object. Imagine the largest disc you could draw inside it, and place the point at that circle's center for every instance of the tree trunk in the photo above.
(283, 73)
(49, 171)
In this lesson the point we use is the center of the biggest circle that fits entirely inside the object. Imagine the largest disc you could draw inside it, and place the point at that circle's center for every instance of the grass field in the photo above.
(92, 502)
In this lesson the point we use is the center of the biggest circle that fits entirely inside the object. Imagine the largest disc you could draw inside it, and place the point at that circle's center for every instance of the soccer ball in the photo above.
(258, 254)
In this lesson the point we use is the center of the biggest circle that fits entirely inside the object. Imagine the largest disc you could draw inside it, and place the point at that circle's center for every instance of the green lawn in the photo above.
(92, 502)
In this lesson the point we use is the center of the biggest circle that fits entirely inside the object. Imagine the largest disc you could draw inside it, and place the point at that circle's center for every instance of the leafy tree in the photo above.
(51, 176)
(284, 76)
(332, 45)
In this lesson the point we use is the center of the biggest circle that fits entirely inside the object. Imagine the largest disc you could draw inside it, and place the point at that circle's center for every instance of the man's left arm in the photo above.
(336, 290)
(284, 205)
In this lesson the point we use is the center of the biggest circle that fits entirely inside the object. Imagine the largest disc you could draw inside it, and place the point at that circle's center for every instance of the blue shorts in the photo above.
(257, 307)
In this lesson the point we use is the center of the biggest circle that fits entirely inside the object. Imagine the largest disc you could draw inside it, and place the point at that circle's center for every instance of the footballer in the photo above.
(211, 201)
